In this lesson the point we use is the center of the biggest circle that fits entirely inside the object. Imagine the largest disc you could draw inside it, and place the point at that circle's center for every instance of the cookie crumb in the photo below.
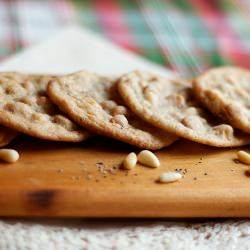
(99, 163)
(236, 161)
(89, 177)
(182, 171)
(105, 170)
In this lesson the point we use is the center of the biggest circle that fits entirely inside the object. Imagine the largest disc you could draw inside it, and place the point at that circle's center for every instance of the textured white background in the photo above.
(124, 235)
(71, 50)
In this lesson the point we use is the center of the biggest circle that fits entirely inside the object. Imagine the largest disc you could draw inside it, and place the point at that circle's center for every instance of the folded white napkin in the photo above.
(74, 49)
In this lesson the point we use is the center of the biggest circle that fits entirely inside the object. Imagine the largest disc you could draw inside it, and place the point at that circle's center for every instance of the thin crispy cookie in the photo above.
(169, 105)
(93, 102)
(225, 92)
(25, 107)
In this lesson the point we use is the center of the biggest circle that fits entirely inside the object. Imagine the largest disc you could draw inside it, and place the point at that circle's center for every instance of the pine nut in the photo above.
(130, 161)
(151, 97)
(149, 159)
(168, 177)
(121, 120)
(243, 157)
(9, 155)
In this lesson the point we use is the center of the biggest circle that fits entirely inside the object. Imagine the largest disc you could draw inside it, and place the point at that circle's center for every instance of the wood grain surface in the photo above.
(85, 180)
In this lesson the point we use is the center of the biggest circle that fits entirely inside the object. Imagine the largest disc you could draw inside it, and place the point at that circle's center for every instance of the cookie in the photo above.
(25, 107)
(94, 102)
(170, 105)
(225, 92)
(6, 135)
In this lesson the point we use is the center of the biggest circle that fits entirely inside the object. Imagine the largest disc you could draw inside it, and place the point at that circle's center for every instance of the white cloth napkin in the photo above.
(68, 51)
(74, 49)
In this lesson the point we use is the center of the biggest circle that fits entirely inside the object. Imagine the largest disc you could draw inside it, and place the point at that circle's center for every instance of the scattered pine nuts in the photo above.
(243, 157)
(130, 161)
(9, 155)
(168, 177)
(149, 159)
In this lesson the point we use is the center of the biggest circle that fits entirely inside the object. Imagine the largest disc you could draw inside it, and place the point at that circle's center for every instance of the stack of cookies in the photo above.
(138, 108)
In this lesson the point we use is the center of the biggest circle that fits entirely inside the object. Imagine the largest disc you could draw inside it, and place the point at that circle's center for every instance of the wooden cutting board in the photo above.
(84, 180)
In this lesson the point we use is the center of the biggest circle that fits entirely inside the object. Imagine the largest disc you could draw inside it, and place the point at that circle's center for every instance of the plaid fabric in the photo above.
(186, 36)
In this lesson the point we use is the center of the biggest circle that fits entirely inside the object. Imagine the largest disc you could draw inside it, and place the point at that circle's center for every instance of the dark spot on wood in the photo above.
(42, 199)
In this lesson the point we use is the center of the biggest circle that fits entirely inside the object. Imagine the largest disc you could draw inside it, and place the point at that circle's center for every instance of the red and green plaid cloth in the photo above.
(186, 36)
